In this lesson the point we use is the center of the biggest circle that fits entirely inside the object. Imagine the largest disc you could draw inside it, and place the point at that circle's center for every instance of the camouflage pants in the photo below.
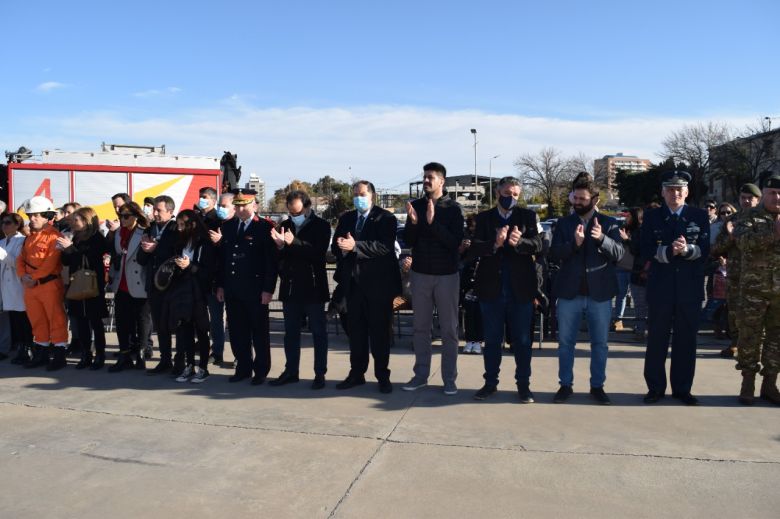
(758, 318)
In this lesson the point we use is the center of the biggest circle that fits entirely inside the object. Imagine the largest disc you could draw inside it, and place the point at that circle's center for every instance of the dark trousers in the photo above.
(368, 322)
(472, 321)
(663, 317)
(217, 324)
(517, 315)
(164, 340)
(248, 323)
(89, 327)
(133, 319)
(293, 316)
(21, 331)
(186, 344)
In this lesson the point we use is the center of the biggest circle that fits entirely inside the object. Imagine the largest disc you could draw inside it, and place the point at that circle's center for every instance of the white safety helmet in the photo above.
(39, 204)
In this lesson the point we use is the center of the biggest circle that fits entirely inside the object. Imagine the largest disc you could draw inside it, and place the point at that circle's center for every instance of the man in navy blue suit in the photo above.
(675, 239)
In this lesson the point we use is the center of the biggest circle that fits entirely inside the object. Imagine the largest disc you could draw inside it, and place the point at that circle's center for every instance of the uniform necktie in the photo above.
(241, 229)
(360, 223)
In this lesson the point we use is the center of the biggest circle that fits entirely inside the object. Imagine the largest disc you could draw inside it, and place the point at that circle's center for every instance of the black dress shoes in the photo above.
(652, 397)
(686, 398)
(285, 378)
(258, 380)
(385, 386)
(238, 377)
(350, 382)
(162, 367)
(319, 382)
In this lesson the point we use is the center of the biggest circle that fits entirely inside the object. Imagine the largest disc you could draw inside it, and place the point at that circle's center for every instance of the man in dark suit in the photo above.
(302, 241)
(505, 240)
(364, 246)
(246, 279)
(587, 245)
(675, 239)
(158, 244)
(206, 206)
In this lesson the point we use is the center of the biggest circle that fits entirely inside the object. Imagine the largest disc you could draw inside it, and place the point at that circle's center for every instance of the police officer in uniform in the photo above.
(675, 239)
(246, 280)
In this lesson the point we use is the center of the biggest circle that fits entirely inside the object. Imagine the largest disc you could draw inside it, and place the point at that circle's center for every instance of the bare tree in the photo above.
(692, 145)
(547, 174)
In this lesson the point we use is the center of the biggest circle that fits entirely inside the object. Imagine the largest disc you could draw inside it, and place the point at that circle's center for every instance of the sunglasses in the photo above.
(126, 216)
(710, 207)
(724, 213)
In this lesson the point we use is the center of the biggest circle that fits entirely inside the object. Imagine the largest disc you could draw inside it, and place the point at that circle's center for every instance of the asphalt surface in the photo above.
(95, 444)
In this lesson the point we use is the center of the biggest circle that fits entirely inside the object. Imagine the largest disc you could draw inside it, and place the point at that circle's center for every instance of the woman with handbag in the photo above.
(185, 281)
(85, 296)
(11, 286)
(128, 283)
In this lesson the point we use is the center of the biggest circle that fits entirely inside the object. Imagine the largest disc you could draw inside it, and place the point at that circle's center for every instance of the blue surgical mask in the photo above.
(203, 203)
(507, 202)
(362, 203)
(222, 213)
(298, 219)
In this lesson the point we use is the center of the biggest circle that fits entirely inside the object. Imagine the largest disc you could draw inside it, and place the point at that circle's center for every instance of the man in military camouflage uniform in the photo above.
(749, 196)
(757, 236)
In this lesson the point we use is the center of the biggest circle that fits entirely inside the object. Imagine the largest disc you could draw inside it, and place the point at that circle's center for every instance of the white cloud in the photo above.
(385, 144)
(48, 86)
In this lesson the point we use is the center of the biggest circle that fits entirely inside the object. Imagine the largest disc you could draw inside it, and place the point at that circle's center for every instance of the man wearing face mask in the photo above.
(206, 206)
(364, 246)
(302, 241)
(587, 245)
(675, 238)
(434, 231)
(224, 212)
(505, 240)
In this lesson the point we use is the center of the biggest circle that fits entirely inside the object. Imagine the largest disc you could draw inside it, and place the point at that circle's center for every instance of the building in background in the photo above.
(463, 190)
(605, 169)
(739, 161)
(259, 186)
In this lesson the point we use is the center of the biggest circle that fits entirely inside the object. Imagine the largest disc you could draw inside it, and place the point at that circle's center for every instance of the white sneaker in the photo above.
(476, 349)
(185, 376)
(468, 347)
(200, 376)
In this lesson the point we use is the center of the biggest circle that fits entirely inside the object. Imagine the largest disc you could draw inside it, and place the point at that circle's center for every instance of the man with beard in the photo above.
(757, 236)
(586, 244)
(675, 239)
(434, 231)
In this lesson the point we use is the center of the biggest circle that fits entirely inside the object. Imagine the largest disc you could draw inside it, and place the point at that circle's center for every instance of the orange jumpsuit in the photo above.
(40, 258)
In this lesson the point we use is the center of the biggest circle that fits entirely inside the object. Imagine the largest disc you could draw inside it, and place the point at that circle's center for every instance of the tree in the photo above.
(279, 202)
(642, 188)
(692, 145)
(547, 174)
(338, 196)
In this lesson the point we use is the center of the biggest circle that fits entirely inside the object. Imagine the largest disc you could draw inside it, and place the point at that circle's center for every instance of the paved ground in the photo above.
(128, 445)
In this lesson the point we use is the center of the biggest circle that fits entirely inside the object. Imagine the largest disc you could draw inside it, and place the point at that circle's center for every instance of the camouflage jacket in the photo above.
(726, 247)
(759, 251)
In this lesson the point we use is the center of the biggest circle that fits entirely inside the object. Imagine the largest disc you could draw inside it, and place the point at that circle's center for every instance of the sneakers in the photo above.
(187, 374)
(450, 388)
(468, 348)
(525, 395)
(200, 376)
(562, 395)
(617, 325)
(600, 396)
(415, 384)
(484, 392)
(476, 348)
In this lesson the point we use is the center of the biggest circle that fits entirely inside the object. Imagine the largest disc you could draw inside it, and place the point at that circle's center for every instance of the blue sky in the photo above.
(302, 89)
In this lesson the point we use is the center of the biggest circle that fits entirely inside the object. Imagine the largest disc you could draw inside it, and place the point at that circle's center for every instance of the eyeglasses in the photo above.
(126, 216)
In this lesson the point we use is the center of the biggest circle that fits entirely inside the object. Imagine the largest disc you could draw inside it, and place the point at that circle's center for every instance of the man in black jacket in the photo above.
(506, 239)
(157, 246)
(587, 245)
(367, 270)
(434, 231)
(302, 241)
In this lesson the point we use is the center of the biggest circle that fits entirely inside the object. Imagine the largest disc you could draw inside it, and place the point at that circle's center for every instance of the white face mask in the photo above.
(147, 210)
(298, 219)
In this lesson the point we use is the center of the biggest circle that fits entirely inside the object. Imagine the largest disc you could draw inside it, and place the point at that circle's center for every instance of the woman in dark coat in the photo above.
(86, 250)
(185, 309)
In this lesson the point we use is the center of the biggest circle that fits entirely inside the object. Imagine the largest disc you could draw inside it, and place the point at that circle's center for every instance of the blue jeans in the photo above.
(623, 282)
(570, 313)
(217, 325)
(494, 314)
(293, 316)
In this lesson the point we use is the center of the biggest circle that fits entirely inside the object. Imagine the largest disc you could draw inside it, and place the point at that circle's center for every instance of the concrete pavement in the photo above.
(95, 444)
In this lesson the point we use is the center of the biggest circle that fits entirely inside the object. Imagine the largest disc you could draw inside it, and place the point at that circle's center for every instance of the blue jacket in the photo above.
(675, 278)
(599, 258)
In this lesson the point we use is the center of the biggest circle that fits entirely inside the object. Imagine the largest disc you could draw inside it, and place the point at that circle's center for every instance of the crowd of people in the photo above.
(180, 273)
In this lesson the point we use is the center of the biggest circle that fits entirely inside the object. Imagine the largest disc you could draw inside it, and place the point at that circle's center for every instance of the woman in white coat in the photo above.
(11, 290)
(128, 282)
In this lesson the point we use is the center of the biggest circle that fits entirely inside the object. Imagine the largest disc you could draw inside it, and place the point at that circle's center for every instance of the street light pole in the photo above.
(476, 180)
(491, 178)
